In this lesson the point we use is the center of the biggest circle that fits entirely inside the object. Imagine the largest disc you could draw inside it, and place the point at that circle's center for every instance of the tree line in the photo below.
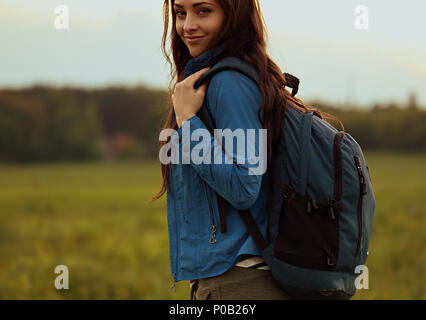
(39, 124)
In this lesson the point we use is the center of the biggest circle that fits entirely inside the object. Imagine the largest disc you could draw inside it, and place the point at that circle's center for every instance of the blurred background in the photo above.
(81, 110)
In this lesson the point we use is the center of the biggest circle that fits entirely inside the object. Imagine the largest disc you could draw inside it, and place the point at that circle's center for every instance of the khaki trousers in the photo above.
(238, 284)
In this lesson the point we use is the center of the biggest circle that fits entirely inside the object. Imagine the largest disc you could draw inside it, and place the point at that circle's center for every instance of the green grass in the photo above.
(96, 219)
(397, 260)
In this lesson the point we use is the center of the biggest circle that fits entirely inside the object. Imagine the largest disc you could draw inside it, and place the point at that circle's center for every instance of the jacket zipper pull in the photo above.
(173, 286)
(213, 238)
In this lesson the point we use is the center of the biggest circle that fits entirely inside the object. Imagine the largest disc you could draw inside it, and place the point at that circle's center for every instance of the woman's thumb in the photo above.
(203, 88)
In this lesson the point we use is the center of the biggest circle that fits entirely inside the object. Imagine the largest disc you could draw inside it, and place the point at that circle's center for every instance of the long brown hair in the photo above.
(244, 27)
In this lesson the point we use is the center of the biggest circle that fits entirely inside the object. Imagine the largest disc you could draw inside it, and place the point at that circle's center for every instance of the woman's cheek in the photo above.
(179, 28)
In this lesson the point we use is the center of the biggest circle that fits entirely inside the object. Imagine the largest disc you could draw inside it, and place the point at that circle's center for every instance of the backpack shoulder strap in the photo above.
(230, 63)
(233, 63)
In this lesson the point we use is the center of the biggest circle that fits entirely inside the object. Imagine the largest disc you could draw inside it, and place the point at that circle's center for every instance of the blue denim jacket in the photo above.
(233, 101)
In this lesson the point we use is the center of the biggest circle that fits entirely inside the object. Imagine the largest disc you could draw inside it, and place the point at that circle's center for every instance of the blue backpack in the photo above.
(320, 206)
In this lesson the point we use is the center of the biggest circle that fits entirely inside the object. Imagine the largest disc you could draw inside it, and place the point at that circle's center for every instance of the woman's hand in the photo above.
(186, 100)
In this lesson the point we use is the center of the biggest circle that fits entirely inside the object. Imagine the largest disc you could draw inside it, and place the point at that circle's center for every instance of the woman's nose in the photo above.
(190, 24)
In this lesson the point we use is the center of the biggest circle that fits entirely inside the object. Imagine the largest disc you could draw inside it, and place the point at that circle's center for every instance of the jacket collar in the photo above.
(202, 61)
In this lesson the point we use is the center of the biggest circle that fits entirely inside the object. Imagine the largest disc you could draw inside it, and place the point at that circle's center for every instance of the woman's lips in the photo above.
(193, 40)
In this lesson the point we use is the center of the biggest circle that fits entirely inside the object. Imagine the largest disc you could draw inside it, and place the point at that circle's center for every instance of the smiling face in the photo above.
(198, 22)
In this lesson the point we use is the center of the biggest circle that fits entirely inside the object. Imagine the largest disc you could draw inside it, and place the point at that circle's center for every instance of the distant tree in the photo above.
(68, 124)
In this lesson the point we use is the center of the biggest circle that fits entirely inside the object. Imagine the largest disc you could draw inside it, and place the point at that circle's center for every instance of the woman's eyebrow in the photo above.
(195, 4)
(201, 3)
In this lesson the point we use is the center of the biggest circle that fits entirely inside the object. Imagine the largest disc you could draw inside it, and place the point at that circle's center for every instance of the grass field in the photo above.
(96, 219)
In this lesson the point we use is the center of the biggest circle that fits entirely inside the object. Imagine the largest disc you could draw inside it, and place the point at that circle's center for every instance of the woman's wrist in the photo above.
(178, 122)
(181, 120)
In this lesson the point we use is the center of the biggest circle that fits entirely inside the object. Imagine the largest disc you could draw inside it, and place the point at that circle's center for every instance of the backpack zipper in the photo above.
(335, 205)
(338, 166)
(362, 192)
(213, 224)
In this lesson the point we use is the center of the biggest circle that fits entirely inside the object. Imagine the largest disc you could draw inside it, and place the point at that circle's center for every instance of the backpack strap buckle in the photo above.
(311, 205)
(331, 261)
(334, 209)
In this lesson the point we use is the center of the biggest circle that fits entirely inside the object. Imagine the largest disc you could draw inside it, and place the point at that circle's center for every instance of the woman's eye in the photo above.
(204, 11)
(180, 13)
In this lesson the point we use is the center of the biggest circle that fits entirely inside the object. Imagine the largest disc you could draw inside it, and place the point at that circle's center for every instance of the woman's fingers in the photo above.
(191, 80)
(186, 100)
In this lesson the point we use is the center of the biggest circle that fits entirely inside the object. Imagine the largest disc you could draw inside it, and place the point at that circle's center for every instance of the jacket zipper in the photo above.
(213, 224)
(173, 287)
(362, 192)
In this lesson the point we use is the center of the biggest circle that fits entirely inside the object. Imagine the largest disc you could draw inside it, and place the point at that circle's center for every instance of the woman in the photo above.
(220, 265)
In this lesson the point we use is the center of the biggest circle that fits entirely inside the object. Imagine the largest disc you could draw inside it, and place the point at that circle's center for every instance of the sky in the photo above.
(118, 42)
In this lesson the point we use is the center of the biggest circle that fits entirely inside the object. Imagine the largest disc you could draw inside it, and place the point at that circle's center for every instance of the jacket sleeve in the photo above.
(235, 173)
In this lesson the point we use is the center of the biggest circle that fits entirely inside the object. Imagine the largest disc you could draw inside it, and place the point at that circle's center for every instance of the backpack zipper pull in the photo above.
(314, 205)
(309, 206)
(213, 238)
